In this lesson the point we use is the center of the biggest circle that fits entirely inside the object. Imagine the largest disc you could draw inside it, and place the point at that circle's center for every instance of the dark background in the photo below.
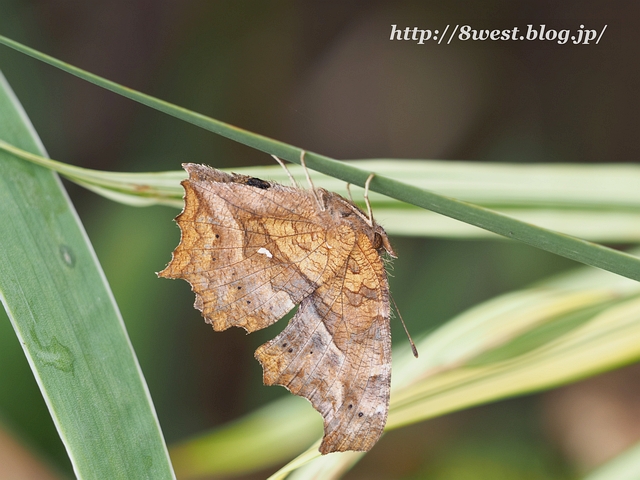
(325, 77)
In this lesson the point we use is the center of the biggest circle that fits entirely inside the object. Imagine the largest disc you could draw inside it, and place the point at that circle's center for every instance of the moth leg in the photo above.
(349, 192)
(366, 197)
(293, 180)
(306, 172)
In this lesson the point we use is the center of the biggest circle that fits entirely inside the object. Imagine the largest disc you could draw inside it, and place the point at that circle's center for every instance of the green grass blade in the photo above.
(551, 241)
(67, 322)
(136, 189)
(606, 188)
(556, 338)
(519, 191)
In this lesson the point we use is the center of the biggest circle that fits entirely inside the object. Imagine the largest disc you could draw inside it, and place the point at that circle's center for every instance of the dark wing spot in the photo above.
(248, 302)
(290, 350)
(350, 406)
(256, 182)
(360, 414)
(239, 288)
(217, 236)
(284, 345)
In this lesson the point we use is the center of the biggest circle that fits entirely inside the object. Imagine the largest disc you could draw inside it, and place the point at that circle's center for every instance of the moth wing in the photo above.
(248, 257)
(336, 352)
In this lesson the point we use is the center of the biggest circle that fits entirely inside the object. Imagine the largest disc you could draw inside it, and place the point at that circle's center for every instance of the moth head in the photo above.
(381, 241)
(343, 210)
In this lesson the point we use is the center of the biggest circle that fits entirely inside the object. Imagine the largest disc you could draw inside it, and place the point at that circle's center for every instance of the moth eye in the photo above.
(377, 241)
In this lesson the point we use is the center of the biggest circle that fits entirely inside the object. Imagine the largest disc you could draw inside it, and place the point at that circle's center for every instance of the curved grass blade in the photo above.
(136, 189)
(67, 321)
(551, 241)
(607, 188)
(514, 190)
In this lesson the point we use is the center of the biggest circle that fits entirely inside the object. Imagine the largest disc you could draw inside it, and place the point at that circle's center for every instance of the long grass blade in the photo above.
(519, 191)
(549, 240)
(67, 321)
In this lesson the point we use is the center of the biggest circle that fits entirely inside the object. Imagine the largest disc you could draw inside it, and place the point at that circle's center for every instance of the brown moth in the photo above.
(253, 249)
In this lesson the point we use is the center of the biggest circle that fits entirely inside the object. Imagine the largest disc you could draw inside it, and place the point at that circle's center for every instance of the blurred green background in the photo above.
(325, 77)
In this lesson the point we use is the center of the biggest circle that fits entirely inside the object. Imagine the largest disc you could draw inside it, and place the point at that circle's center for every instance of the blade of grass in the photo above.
(551, 241)
(137, 189)
(609, 188)
(615, 219)
(596, 337)
(67, 321)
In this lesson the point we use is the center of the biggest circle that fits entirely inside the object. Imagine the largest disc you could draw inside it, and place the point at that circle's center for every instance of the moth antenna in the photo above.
(306, 172)
(349, 192)
(293, 180)
(413, 345)
(366, 199)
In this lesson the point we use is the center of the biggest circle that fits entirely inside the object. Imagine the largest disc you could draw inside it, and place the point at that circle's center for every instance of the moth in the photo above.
(253, 249)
